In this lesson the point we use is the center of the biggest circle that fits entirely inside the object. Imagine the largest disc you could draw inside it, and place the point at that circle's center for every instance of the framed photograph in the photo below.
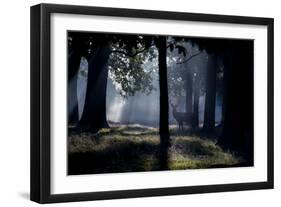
(133, 103)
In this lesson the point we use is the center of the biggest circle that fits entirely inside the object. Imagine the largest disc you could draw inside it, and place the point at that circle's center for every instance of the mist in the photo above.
(142, 108)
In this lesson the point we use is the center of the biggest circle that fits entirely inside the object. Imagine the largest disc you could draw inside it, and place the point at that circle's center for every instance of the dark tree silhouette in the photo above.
(79, 45)
(237, 58)
(73, 66)
(75, 52)
(161, 44)
(237, 134)
(210, 98)
(195, 114)
(94, 112)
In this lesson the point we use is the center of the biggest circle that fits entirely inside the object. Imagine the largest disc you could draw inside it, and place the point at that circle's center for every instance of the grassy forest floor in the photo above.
(134, 148)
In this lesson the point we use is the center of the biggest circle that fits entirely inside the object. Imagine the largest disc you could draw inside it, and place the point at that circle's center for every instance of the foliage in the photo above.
(129, 53)
(129, 73)
(176, 81)
(183, 68)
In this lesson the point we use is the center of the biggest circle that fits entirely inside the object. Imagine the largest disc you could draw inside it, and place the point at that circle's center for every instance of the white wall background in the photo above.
(14, 102)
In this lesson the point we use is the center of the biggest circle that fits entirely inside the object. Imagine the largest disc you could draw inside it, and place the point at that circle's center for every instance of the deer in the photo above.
(181, 117)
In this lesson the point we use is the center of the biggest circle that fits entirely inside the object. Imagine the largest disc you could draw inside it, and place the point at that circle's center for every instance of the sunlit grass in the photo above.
(112, 137)
(193, 152)
(135, 148)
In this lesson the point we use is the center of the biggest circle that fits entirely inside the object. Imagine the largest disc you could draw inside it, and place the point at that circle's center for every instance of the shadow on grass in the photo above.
(128, 156)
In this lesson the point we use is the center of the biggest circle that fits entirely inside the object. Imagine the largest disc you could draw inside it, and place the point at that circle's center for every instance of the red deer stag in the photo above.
(181, 117)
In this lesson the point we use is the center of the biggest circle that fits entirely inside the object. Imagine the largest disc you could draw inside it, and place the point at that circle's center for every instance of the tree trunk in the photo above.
(188, 93)
(227, 62)
(237, 133)
(74, 59)
(94, 112)
(210, 99)
(195, 118)
(164, 103)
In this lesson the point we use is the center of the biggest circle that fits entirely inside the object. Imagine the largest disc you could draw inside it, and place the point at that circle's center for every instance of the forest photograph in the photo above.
(140, 102)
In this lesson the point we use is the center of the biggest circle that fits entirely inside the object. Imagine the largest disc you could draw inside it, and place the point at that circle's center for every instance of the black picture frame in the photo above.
(40, 184)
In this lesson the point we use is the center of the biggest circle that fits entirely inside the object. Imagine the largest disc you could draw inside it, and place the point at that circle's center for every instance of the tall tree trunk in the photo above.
(210, 99)
(237, 134)
(94, 112)
(195, 115)
(227, 62)
(164, 103)
(188, 92)
(74, 59)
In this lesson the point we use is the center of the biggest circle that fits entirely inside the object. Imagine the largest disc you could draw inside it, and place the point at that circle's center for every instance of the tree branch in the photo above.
(189, 58)
(128, 54)
(170, 43)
